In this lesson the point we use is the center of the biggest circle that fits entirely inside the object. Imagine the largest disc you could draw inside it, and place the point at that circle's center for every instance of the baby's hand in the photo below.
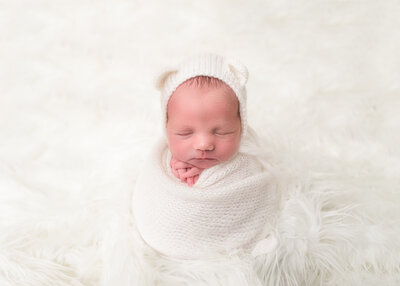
(185, 172)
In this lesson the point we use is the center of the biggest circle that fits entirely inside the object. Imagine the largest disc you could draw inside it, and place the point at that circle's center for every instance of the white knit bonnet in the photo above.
(230, 71)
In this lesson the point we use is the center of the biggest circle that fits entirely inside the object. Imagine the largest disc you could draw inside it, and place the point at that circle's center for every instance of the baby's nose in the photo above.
(206, 147)
(204, 143)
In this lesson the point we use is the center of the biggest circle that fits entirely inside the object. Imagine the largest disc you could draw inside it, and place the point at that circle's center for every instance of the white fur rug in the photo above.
(78, 112)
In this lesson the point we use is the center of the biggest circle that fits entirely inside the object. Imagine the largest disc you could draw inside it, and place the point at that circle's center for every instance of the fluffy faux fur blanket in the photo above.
(77, 118)
(231, 206)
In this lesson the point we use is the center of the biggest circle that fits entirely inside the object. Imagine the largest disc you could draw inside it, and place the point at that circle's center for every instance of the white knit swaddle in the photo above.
(229, 207)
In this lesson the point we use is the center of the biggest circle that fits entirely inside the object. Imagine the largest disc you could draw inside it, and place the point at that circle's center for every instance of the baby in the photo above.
(203, 126)
(200, 192)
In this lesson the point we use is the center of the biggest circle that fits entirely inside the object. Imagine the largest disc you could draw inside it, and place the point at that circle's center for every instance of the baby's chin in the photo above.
(203, 163)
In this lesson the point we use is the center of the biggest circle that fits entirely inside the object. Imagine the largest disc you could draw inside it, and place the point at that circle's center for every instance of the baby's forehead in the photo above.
(206, 83)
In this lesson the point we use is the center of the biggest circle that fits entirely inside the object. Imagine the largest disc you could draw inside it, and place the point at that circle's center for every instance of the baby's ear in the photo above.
(162, 78)
(239, 70)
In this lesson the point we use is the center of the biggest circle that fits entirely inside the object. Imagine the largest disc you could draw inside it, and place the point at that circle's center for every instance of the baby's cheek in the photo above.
(178, 148)
(229, 148)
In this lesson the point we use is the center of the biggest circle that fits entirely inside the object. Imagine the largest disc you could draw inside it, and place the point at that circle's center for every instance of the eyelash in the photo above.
(216, 133)
(223, 133)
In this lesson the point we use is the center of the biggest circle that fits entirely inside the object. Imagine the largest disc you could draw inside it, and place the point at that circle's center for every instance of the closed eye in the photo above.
(184, 133)
(224, 133)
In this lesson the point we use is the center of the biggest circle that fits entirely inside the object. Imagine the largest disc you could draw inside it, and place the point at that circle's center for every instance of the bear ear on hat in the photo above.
(239, 70)
(162, 78)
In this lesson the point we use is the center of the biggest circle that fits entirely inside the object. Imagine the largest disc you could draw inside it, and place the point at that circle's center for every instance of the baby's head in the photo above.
(203, 122)
(205, 114)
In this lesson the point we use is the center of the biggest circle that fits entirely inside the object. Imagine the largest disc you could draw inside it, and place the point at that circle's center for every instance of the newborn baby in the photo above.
(201, 192)
(203, 126)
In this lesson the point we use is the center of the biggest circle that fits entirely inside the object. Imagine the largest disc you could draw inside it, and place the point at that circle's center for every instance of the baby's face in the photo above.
(203, 126)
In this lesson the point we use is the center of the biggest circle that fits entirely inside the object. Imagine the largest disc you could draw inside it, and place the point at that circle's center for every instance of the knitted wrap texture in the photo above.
(230, 207)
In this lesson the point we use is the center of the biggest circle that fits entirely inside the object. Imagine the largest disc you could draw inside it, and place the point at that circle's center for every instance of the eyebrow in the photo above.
(184, 127)
(224, 126)
(227, 124)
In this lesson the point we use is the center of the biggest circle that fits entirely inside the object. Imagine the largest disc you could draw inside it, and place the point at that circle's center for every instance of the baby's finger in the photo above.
(181, 172)
(192, 172)
(182, 165)
(172, 162)
(175, 172)
(190, 181)
(195, 178)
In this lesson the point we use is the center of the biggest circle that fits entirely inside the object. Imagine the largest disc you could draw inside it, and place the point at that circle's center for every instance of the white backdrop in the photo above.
(78, 112)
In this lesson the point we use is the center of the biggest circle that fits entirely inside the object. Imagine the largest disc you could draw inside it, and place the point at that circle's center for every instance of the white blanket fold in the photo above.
(231, 206)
